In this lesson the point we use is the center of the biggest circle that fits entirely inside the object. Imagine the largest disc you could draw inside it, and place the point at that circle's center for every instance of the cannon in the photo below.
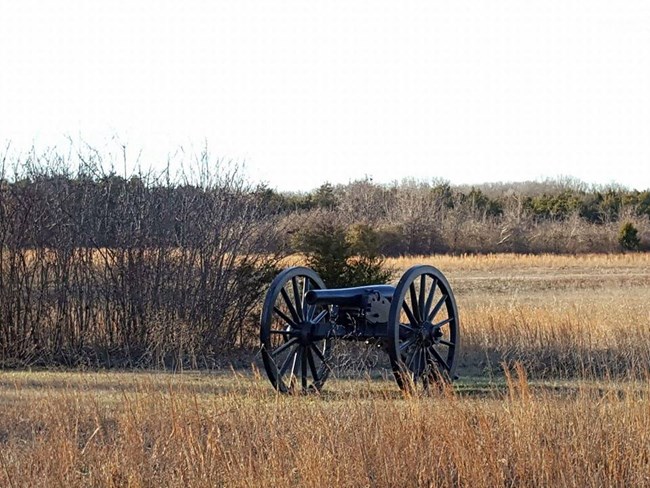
(416, 322)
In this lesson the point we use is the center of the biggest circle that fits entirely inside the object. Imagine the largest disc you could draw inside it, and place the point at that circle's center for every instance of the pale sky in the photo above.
(305, 92)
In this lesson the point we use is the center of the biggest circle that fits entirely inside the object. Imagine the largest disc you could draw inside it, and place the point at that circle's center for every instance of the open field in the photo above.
(562, 316)
(111, 429)
(572, 407)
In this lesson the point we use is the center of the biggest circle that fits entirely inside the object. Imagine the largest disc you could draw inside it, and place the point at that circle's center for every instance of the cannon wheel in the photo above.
(293, 360)
(423, 329)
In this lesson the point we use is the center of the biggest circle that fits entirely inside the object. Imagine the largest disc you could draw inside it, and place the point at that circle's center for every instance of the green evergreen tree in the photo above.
(628, 237)
(343, 258)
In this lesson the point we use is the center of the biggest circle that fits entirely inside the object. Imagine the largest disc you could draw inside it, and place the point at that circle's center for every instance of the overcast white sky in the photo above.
(306, 92)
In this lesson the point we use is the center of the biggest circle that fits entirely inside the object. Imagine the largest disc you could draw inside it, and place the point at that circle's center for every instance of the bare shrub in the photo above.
(101, 269)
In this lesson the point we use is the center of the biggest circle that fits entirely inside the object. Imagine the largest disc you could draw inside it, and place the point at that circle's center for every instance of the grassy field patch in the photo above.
(554, 390)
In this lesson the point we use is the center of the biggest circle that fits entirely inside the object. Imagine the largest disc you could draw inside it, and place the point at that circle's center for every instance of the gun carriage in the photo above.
(415, 322)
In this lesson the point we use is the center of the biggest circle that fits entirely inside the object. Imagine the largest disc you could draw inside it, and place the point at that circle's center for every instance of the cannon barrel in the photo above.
(347, 297)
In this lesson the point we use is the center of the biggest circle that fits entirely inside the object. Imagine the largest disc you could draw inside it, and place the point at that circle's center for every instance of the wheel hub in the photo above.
(425, 335)
(429, 334)
(304, 333)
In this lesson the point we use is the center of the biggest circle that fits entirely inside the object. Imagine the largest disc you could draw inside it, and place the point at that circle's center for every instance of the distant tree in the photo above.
(324, 197)
(628, 237)
(641, 200)
(612, 203)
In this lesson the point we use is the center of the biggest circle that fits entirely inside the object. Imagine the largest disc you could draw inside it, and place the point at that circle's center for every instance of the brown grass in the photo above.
(549, 262)
(577, 327)
(560, 316)
(192, 430)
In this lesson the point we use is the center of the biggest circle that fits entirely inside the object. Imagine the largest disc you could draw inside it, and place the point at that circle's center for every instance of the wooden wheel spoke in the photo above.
(320, 355)
(284, 317)
(297, 298)
(293, 364)
(429, 359)
(303, 367)
(423, 362)
(417, 365)
(325, 366)
(414, 361)
(436, 309)
(312, 366)
(284, 346)
(292, 309)
(423, 284)
(287, 361)
(409, 314)
(414, 303)
(411, 357)
(408, 327)
(432, 292)
(406, 344)
(320, 317)
(432, 369)
(447, 343)
(308, 309)
(439, 359)
(446, 321)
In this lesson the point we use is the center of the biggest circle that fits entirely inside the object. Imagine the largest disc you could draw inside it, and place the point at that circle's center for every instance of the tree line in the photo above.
(414, 217)
(148, 269)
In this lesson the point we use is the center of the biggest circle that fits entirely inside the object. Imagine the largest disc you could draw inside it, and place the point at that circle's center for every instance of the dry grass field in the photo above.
(554, 391)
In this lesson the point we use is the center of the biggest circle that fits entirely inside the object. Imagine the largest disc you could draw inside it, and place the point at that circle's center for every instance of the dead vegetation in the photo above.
(554, 391)
(160, 430)
(560, 316)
